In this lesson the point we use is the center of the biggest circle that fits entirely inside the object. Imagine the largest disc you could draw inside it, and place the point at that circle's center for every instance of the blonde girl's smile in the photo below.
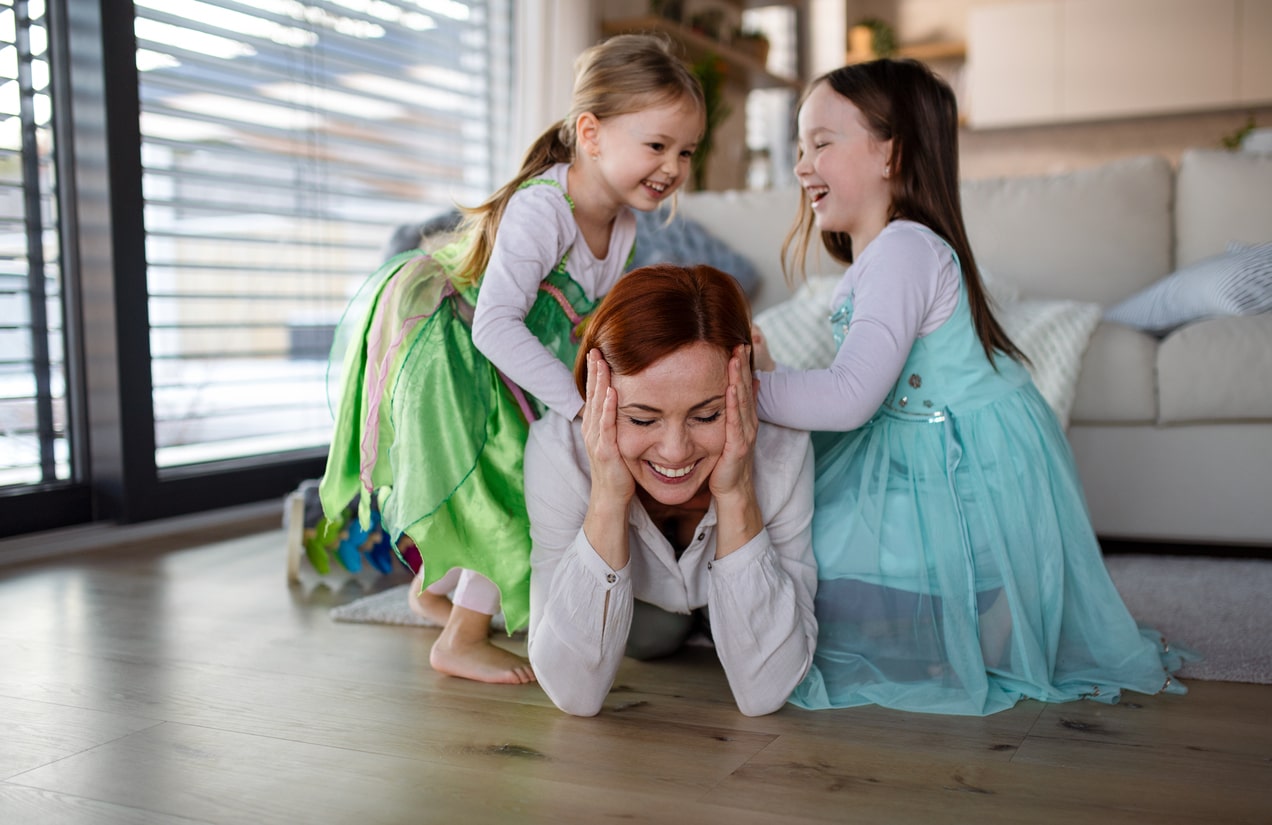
(644, 156)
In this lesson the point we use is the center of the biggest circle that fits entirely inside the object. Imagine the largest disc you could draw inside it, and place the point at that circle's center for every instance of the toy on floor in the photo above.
(363, 554)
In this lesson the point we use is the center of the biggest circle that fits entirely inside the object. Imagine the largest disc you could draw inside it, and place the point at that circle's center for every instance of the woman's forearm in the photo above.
(581, 613)
(762, 624)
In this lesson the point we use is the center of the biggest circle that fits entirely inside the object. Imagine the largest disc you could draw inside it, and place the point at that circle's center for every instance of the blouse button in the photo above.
(701, 536)
(708, 565)
(611, 578)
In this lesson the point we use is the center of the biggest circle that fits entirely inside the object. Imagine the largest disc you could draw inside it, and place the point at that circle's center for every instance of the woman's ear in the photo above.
(587, 130)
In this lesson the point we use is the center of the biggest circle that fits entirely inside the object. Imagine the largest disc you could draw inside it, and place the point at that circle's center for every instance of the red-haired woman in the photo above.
(667, 503)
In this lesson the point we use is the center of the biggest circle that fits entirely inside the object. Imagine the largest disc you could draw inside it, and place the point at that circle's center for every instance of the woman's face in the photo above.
(671, 421)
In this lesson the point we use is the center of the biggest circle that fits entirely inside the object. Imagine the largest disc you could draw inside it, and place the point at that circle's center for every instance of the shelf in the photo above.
(927, 52)
(697, 45)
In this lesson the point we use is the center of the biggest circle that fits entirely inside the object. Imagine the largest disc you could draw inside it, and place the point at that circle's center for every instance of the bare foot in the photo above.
(431, 606)
(464, 649)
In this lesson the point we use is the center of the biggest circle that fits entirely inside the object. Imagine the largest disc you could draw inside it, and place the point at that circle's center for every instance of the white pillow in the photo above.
(1054, 335)
(1238, 282)
(798, 329)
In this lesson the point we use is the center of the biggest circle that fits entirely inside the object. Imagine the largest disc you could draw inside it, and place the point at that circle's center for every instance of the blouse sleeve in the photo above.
(761, 601)
(536, 230)
(580, 609)
(895, 290)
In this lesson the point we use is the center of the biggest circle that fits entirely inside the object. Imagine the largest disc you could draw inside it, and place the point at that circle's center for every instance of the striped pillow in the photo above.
(1238, 282)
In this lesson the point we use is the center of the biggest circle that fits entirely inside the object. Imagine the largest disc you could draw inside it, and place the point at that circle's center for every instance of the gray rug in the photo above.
(388, 607)
(1220, 608)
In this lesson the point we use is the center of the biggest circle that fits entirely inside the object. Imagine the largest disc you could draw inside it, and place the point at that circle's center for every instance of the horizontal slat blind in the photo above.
(283, 141)
(33, 405)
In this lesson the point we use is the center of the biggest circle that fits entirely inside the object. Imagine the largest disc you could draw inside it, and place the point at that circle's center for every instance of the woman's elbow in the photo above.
(760, 706)
(572, 702)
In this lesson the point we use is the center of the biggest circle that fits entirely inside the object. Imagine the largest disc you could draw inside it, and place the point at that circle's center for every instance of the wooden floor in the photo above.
(195, 686)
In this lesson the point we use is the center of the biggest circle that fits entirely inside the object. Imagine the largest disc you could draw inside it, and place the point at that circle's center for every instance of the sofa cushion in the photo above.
(1238, 282)
(1117, 382)
(678, 239)
(1221, 197)
(1216, 370)
(1097, 234)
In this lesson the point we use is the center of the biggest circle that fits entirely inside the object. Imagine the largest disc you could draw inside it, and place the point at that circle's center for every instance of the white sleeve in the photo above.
(536, 230)
(895, 291)
(580, 609)
(761, 603)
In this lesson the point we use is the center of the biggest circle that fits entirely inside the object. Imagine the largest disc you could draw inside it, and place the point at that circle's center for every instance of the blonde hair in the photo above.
(624, 74)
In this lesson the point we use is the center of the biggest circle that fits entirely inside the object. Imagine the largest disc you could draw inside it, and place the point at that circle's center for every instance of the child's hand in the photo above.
(733, 473)
(610, 477)
(763, 359)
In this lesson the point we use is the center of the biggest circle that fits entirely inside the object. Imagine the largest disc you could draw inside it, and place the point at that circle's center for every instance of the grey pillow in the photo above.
(1238, 282)
(686, 242)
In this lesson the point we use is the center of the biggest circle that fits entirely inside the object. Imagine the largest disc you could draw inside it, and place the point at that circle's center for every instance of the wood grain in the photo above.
(192, 685)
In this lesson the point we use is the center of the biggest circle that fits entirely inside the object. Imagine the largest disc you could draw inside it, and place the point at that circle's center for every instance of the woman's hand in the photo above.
(763, 359)
(605, 524)
(610, 476)
(733, 472)
(733, 479)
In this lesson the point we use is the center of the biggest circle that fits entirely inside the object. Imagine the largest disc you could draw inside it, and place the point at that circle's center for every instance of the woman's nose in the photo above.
(676, 445)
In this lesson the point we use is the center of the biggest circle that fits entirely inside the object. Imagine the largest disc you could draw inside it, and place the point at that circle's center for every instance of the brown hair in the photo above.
(905, 102)
(627, 73)
(655, 310)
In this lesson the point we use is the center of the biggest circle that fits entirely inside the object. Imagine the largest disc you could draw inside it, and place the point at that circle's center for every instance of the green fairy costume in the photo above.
(432, 430)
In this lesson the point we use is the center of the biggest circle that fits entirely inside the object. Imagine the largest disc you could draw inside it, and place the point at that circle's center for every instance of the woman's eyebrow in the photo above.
(648, 408)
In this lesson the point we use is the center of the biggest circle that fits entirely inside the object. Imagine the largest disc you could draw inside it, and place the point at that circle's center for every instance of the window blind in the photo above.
(282, 143)
(33, 403)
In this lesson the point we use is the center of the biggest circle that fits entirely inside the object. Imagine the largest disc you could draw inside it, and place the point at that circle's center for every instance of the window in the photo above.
(230, 173)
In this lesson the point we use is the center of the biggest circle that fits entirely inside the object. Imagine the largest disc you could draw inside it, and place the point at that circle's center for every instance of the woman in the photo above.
(667, 498)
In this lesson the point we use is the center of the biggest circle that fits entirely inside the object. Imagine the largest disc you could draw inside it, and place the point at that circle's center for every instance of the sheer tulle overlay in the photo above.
(958, 568)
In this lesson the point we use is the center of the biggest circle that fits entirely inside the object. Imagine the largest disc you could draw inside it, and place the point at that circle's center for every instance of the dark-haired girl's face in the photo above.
(671, 419)
(842, 166)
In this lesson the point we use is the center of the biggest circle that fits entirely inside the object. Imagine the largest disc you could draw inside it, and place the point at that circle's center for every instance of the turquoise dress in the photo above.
(958, 569)
(429, 430)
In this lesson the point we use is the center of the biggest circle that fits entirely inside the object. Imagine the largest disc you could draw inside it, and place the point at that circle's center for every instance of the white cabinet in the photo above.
(1051, 61)
(1013, 59)
(1254, 47)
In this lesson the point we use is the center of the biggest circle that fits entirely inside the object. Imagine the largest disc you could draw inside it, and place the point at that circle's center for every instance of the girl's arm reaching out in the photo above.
(904, 287)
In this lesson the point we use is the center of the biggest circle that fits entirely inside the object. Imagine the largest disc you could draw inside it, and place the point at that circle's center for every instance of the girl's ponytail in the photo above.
(481, 222)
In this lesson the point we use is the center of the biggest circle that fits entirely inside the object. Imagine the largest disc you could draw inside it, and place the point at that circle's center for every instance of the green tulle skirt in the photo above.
(427, 427)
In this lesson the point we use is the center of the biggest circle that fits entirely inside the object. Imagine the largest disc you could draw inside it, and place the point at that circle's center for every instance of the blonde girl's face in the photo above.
(671, 421)
(842, 167)
(644, 156)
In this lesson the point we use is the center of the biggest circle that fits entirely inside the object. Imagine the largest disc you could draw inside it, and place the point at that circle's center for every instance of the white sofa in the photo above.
(1173, 437)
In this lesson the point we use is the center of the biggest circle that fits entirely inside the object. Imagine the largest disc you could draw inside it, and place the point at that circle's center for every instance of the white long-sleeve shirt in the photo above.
(903, 285)
(760, 596)
(536, 231)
